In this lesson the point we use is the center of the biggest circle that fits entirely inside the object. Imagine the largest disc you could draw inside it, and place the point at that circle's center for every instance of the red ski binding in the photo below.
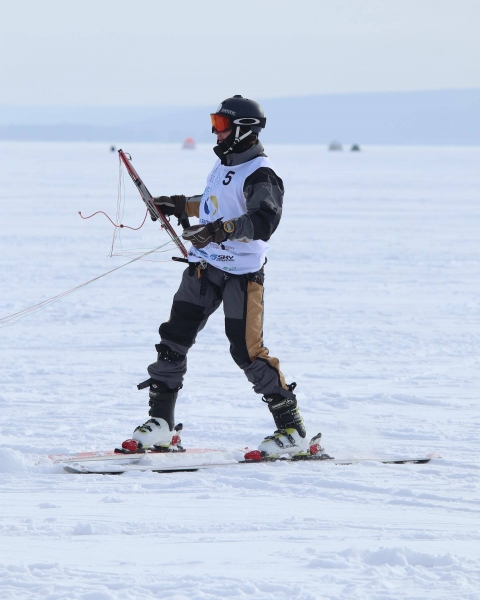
(315, 449)
(130, 447)
(253, 455)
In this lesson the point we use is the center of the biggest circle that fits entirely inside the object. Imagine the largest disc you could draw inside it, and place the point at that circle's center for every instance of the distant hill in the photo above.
(444, 117)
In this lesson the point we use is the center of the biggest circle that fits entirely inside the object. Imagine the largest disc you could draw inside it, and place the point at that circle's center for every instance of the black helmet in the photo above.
(241, 112)
(246, 120)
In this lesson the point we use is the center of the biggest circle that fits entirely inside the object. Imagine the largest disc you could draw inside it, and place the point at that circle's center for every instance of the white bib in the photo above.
(223, 199)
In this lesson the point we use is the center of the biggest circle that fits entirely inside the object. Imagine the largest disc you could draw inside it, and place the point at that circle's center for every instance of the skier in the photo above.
(239, 211)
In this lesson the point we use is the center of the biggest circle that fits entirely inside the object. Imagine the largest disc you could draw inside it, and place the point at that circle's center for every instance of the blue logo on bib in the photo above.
(208, 209)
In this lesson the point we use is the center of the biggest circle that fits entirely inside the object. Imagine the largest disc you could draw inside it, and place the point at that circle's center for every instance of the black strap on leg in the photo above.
(165, 353)
(192, 267)
(243, 283)
(202, 275)
(144, 384)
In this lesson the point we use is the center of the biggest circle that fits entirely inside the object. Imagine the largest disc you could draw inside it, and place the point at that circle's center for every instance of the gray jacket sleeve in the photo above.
(263, 191)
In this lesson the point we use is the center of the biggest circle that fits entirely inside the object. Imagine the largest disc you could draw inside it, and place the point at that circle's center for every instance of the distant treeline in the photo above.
(445, 117)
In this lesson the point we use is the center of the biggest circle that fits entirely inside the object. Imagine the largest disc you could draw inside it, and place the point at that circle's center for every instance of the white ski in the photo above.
(111, 455)
(171, 462)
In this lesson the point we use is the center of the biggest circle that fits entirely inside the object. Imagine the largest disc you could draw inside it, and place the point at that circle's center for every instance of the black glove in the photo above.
(202, 235)
(171, 205)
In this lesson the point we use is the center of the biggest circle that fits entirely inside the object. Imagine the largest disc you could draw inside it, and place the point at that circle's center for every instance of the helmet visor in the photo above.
(220, 123)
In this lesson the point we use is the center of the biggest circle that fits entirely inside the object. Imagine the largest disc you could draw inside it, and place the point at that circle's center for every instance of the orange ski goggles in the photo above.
(220, 123)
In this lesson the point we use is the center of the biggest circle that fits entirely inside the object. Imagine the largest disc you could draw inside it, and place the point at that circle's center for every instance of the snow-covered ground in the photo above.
(372, 305)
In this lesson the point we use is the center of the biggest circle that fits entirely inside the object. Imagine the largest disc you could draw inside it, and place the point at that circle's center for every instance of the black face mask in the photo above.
(221, 148)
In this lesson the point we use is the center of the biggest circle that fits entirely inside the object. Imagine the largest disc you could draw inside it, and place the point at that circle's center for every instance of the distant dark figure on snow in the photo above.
(335, 146)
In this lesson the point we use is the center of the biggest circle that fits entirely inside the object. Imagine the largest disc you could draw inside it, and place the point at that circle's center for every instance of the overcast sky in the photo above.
(197, 52)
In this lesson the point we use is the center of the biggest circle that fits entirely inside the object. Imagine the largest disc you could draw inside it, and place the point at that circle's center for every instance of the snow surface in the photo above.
(372, 305)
